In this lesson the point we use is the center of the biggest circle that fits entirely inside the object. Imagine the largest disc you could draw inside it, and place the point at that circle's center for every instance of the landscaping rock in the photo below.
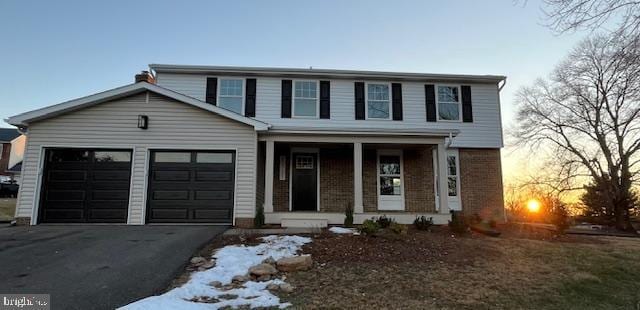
(208, 265)
(198, 260)
(269, 261)
(240, 279)
(264, 278)
(228, 296)
(286, 288)
(295, 263)
(216, 284)
(262, 269)
(273, 287)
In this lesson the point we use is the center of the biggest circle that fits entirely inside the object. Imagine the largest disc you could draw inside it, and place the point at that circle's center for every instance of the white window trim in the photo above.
(459, 120)
(244, 91)
(366, 101)
(293, 99)
(396, 153)
(455, 202)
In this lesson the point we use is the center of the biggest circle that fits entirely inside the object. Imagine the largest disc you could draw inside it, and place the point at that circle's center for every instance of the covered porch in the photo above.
(309, 180)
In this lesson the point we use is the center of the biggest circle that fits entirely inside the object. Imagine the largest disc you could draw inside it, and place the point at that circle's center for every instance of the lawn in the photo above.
(519, 270)
(7, 208)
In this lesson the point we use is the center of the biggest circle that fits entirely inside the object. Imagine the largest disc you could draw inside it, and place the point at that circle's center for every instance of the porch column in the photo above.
(443, 194)
(357, 178)
(268, 178)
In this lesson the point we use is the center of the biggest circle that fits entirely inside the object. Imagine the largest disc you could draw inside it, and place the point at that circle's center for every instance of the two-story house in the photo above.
(205, 144)
(7, 137)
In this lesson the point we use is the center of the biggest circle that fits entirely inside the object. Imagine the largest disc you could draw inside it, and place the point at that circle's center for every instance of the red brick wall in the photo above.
(336, 179)
(481, 183)
(369, 181)
(418, 180)
(280, 188)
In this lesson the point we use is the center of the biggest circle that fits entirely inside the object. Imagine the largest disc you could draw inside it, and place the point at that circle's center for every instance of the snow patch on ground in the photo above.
(343, 230)
(231, 260)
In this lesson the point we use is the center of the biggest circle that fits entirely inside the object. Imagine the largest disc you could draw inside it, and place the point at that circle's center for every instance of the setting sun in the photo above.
(533, 206)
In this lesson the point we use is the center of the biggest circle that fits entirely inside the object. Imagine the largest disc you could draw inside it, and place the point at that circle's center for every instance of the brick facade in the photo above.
(369, 181)
(280, 188)
(481, 183)
(244, 222)
(419, 190)
(336, 179)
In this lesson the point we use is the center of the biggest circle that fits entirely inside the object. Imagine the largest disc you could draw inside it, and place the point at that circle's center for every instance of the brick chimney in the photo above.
(145, 76)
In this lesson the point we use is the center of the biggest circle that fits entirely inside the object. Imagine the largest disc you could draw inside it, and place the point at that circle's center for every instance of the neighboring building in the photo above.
(15, 157)
(7, 136)
(203, 144)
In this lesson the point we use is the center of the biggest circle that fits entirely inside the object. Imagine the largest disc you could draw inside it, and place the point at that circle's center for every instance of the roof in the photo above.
(8, 134)
(325, 73)
(28, 117)
(16, 168)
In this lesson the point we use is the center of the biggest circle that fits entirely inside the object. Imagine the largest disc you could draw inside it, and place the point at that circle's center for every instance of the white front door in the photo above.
(390, 183)
(453, 179)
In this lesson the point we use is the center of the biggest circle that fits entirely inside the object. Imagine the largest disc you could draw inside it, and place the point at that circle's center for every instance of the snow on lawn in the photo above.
(343, 230)
(231, 261)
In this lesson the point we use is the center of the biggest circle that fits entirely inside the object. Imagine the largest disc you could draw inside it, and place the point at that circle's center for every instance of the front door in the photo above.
(304, 187)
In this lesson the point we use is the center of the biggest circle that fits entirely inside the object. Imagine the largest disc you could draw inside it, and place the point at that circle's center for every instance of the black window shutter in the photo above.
(212, 90)
(250, 98)
(467, 110)
(325, 99)
(396, 93)
(359, 95)
(286, 98)
(430, 102)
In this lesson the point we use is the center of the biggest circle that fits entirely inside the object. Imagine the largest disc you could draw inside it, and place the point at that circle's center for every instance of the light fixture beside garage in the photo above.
(143, 121)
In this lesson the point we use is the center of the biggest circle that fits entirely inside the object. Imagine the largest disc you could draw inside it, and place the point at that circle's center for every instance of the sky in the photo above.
(53, 51)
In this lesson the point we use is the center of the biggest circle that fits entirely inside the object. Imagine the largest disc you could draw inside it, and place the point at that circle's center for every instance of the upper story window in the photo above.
(305, 99)
(449, 103)
(231, 95)
(378, 102)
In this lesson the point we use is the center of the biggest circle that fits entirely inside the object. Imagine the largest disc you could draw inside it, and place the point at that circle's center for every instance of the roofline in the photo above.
(350, 131)
(325, 73)
(120, 92)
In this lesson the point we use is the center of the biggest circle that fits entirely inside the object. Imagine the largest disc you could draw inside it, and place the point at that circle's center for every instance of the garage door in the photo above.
(85, 185)
(191, 186)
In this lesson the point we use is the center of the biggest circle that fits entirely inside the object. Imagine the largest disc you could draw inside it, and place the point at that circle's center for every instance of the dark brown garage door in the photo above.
(191, 186)
(85, 185)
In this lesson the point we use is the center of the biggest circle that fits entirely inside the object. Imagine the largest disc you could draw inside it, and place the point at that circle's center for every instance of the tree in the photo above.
(570, 15)
(588, 112)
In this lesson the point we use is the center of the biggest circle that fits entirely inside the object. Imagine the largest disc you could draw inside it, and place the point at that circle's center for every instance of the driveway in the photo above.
(96, 267)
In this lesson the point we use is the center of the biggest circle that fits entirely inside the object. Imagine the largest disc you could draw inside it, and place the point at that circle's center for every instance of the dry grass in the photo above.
(7, 208)
(475, 272)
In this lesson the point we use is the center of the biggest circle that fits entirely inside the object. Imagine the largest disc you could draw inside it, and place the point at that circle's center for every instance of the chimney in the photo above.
(145, 76)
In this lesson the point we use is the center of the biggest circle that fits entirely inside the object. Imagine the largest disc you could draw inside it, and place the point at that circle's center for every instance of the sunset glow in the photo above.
(533, 206)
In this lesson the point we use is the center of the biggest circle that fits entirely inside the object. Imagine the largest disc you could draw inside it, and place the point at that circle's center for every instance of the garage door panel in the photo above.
(85, 185)
(198, 189)
(111, 175)
(213, 195)
(216, 176)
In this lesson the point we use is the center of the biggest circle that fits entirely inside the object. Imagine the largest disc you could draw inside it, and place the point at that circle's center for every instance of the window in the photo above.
(304, 162)
(112, 156)
(283, 168)
(173, 157)
(449, 103)
(390, 178)
(231, 95)
(452, 175)
(68, 155)
(214, 158)
(305, 99)
(378, 106)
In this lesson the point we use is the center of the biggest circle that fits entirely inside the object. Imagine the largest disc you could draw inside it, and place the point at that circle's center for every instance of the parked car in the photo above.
(9, 189)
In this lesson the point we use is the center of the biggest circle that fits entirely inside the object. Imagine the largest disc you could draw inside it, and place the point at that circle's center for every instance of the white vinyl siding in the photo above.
(172, 125)
(484, 132)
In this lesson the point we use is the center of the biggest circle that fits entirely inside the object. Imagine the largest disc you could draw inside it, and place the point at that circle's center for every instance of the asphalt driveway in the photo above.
(96, 267)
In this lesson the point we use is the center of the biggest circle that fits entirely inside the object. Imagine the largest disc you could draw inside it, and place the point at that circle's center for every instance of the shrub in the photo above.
(384, 221)
(258, 221)
(423, 223)
(348, 213)
(560, 218)
(398, 229)
(458, 224)
(369, 227)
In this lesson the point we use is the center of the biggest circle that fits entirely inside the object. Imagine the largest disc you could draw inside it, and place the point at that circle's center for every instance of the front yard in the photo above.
(519, 270)
(7, 208)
